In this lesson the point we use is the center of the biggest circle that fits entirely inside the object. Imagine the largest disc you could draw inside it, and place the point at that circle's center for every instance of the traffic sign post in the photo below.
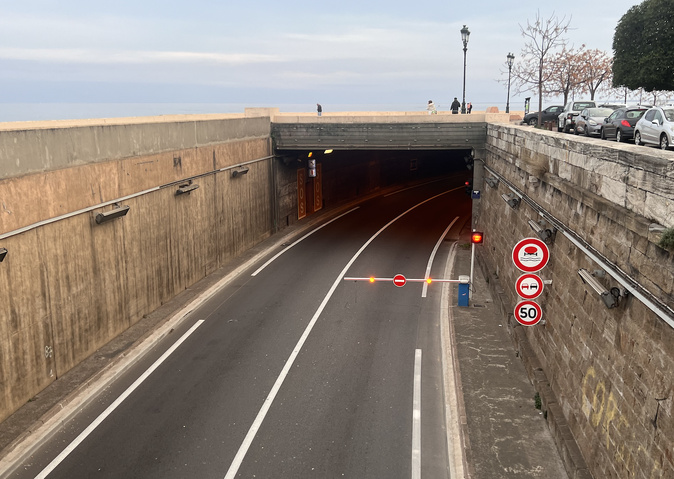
(528, 313)
(529, 286)
(530, 255)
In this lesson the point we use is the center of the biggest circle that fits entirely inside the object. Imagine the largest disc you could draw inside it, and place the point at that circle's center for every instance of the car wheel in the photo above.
(664, 142)
(533, 122)
(602, 135)
(637, 138)
(618, 136)
(587, 131)
(565, 128)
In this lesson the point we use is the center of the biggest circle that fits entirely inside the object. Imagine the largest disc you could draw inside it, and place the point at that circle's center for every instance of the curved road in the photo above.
(290, 371)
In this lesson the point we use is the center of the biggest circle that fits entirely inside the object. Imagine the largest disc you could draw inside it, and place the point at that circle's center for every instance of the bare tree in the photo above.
(542, 38)
(597, 70)
(564, 72)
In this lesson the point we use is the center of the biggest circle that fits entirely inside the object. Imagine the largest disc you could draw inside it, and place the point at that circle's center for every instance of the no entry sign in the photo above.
(399, 280)
(530, 255)
(529, 286)
(528, 313)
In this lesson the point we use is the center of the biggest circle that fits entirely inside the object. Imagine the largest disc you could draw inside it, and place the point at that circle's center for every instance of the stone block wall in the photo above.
(605, 374)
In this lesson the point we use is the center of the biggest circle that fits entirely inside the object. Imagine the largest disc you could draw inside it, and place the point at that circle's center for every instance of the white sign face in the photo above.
(529, 286)
(530, 255)
(528, 313)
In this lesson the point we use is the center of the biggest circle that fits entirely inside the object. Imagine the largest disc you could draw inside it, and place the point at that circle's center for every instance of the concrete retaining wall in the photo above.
(605, 375)
(69, 286)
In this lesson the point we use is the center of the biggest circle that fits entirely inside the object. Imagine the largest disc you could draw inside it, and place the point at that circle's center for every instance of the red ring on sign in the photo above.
(399, 280)
(526, 255)
(525, 289)
(524, 310)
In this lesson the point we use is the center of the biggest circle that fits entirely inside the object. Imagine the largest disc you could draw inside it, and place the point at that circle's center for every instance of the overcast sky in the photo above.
(252, 52)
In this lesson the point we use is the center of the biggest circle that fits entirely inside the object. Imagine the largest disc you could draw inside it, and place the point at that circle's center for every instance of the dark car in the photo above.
(620, 124)
(549, 114)
(590, 121)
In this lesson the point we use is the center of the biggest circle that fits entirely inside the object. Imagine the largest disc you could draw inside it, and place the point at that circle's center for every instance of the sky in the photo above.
(376, 54)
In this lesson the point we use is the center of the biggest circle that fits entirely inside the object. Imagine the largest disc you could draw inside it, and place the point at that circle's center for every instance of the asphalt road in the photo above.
(292, 372)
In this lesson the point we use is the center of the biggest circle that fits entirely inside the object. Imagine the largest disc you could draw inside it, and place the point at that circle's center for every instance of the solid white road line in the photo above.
(266, 405)
(255, 273)
(454, 434)
(424, 290)
(416, 418)
(83, 435)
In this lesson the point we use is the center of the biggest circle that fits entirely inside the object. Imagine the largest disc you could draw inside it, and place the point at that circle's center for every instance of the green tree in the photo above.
(642, 47)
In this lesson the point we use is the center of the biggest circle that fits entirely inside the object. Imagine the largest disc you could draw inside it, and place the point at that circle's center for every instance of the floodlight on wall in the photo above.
(239, 171)
(491, 181)
(3, 253)
(512, 200)
(118, 212)
(186, 188)
(546, 234)
(610, 298)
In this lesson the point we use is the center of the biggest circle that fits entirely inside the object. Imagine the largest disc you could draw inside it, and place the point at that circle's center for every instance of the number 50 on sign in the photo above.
(528, 313)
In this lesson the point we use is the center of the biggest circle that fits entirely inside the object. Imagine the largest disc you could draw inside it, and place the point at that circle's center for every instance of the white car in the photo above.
(656, 127)
(566, 121)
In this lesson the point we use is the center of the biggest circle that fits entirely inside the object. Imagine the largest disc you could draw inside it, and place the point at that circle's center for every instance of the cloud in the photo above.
(90, 56)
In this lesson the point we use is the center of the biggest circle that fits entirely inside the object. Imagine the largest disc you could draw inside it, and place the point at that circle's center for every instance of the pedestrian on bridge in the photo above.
(455, 106)
(431, 108)
(319, 109)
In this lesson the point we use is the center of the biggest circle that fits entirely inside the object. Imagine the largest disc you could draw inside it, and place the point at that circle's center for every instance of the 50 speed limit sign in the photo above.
(528, 313)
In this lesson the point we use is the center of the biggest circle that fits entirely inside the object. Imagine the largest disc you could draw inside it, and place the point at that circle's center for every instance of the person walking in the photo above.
(319, 109)
(431, 108)
(455, 106)
(469, 107)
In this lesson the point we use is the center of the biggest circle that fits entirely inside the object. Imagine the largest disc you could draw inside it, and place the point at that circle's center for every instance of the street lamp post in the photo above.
(511, 59)
(465, 33)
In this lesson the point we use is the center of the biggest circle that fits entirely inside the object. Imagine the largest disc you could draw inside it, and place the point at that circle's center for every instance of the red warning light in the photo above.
(477, 237)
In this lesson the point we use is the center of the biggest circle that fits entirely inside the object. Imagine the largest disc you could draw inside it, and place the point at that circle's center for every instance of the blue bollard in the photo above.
(464, 294)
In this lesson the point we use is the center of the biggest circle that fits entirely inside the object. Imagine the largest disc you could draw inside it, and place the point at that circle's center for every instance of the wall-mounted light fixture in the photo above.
(609, 297)
(186, 188)
(239, 171)
(512, 199)
(491, 181)
(3, 253)
(105, 216)
(327, 152)
(546, 234)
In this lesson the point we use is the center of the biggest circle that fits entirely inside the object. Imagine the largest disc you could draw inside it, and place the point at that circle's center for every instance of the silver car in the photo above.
(656, 127)
(590, 121)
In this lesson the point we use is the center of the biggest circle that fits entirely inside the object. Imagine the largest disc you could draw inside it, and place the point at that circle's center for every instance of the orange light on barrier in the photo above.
(477, 237)
(429, 280)
(371, 279)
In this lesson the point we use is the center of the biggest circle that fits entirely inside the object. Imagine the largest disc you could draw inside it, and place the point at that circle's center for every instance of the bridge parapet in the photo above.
(382, 132)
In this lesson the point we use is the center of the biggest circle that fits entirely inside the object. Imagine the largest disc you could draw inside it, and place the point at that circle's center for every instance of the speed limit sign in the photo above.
(528, 313)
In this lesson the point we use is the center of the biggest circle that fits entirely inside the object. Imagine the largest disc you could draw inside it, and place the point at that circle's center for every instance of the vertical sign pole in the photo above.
(472, 263)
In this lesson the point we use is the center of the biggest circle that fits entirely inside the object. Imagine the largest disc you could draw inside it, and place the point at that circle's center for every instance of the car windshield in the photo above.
(581, 105)
(599, 112)
(669, 113)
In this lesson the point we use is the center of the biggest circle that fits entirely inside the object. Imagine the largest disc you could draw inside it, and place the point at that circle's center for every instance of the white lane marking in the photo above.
(416, 418)
(424, 290)
(455, 449)
(266, 405)
(412, 187)
(255, 273)
(83, 435)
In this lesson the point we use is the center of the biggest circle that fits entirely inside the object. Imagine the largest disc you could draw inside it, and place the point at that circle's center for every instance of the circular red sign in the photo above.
(529, 286)
(399, 280)
(528, 313)
(530, 255)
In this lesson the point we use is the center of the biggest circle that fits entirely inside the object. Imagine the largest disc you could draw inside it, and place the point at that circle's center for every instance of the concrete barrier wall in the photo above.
(605, 375)
(68, 287)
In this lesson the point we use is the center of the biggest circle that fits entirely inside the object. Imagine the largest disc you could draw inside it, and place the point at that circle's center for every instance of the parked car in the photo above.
(620, 124)
(590, 120)
(549, 114)
(656, 127)
(612, 106)
(566, 120)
